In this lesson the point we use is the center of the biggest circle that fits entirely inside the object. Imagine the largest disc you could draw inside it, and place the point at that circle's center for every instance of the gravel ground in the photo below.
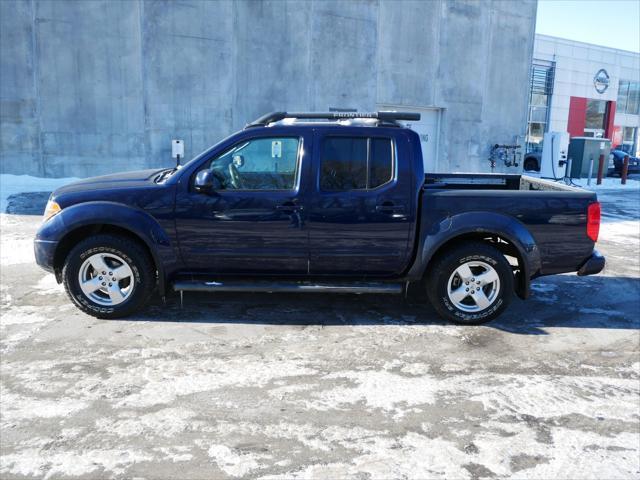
(325, 386)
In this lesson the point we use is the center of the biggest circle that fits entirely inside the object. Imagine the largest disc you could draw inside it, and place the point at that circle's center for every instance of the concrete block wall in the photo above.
(99, 86)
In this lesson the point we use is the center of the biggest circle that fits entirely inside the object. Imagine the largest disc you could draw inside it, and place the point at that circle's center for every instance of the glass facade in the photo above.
(630, 140)
(628, 97)
(629, 103)
(541, 90)
(596, 117)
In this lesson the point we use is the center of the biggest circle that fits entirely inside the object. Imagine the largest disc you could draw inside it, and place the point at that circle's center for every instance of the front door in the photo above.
(360, 214)
(253, 223)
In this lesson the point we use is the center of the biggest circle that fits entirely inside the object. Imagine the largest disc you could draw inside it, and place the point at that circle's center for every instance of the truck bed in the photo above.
(554, 213)
(492, 181)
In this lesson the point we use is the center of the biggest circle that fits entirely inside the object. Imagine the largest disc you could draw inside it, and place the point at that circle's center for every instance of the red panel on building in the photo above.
(616, 137)
(577, 116)
(611, 115)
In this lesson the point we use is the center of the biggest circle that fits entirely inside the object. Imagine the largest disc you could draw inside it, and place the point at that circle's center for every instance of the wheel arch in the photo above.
(83, 220)
(504, 233)
(80, 233)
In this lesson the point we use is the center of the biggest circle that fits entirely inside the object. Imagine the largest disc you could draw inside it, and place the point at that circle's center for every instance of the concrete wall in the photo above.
(98, 86)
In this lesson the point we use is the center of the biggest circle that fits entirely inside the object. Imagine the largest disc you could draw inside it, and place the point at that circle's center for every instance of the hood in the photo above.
(113, 181)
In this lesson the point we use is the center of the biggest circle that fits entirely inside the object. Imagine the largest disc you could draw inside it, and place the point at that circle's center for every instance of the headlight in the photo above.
(51, 209)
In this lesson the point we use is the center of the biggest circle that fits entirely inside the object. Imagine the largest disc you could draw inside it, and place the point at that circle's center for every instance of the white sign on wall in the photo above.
(177, 148)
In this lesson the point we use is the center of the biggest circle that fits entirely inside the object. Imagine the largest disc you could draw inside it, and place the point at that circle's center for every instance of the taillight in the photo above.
(593, 221)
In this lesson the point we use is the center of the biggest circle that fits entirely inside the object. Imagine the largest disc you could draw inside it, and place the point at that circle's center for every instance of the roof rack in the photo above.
(383, 117)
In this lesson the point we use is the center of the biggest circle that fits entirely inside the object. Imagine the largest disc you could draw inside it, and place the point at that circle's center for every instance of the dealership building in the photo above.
(99, 86)
(586, 90)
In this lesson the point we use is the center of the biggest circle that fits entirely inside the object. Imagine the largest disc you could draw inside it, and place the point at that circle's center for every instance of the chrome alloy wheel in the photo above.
(106, 279)
(473, 286)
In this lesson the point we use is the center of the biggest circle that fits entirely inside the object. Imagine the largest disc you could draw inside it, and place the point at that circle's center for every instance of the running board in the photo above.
(286, 287)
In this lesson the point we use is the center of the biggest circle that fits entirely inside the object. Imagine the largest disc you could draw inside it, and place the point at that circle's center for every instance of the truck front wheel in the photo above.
(108, 276)
(470, 284)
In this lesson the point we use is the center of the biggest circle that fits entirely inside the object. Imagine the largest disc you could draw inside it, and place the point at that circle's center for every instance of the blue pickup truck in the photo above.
(314, 202)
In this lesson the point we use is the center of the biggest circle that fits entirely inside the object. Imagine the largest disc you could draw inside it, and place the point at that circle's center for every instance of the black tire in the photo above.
(137, 259)
(437, 282)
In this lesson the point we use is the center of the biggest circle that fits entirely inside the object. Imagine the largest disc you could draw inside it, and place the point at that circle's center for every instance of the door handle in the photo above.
(389, 207)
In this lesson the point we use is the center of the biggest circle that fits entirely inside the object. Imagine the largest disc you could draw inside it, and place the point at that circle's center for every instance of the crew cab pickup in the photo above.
(309, 202)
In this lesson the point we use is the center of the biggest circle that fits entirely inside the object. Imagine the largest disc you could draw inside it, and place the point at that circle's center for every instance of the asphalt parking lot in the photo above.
(326, 386)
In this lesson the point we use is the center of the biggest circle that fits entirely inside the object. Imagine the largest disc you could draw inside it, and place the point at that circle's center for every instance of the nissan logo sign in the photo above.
(601, 81)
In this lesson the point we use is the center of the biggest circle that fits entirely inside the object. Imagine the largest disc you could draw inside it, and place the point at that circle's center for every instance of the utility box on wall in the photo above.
(584, 149)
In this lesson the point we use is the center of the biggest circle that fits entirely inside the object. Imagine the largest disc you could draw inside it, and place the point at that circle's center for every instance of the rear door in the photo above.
(360, 211)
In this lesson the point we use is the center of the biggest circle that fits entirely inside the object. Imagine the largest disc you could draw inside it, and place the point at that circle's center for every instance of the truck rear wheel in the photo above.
(108, 276)
(471, 284)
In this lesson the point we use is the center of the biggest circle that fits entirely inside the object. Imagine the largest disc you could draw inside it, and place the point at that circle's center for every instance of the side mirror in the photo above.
(206, 181)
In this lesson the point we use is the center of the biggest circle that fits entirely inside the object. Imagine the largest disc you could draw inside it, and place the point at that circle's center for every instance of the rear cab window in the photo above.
(356, 163)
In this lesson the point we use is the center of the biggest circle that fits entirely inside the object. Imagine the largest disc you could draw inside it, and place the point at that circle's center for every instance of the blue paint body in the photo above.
(619, 153)
(389, 233)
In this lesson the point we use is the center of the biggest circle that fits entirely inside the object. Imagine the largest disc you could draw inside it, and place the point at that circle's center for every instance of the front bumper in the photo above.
(594, 264)
(45, 252)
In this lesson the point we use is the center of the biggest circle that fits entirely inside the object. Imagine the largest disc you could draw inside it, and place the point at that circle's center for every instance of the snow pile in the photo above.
(609, 183)
(14, 184)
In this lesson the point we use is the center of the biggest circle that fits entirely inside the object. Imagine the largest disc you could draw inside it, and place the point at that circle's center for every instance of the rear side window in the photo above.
(380, 161)
(355, 163)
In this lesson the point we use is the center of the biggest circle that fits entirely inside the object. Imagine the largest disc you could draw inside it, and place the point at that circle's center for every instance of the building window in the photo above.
(630, 142)
(628, 97)
(541, 89)
(595, 120)
(628, 135)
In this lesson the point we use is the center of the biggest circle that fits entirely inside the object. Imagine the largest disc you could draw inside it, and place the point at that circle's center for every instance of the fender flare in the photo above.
(493, 223)
(133, 220)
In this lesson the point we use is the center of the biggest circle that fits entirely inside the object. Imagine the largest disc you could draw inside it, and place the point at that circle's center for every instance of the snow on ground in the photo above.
(13, 184)
(610, 183)
(330, 386)
(15, 251)
(16, 244)
(16, 248)
(620, 231)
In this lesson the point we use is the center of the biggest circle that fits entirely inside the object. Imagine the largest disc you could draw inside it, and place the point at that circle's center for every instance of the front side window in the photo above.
(355, 163)
(259, 164)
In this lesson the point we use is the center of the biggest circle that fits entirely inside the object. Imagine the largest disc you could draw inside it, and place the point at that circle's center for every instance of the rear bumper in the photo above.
(45, 251)
(594, 264)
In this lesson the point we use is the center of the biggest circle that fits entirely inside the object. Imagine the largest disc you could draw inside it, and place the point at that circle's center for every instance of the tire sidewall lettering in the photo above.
(442, 286)
(79, 296)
